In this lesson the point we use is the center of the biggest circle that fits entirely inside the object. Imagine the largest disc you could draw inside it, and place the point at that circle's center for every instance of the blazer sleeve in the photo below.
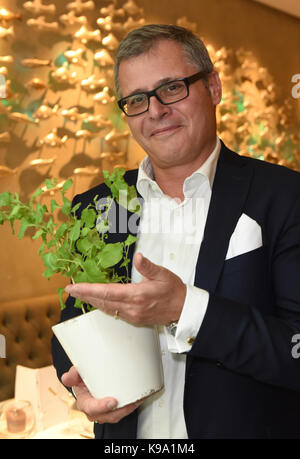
(248, 340)
(60, 359)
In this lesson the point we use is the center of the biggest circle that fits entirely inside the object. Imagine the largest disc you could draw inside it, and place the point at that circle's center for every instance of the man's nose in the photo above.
(157, 109)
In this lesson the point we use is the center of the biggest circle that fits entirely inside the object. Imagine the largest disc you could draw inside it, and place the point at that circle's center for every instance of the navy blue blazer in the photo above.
(241, 380)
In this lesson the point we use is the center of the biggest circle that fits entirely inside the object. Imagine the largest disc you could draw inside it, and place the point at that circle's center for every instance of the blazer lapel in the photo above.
(230, 190)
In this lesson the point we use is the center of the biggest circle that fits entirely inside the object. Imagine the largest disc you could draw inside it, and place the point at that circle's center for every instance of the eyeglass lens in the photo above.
(168, 93)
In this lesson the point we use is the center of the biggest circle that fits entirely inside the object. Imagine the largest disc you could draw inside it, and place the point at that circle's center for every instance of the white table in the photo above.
(77, 427)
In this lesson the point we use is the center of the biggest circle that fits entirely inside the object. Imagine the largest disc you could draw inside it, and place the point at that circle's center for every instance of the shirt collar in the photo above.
(146, 183)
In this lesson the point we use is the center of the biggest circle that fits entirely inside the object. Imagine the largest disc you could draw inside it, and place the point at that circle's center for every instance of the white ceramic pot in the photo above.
(113, 357)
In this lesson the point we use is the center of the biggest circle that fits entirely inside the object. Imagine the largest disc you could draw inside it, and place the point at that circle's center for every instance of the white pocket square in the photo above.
(247, 236)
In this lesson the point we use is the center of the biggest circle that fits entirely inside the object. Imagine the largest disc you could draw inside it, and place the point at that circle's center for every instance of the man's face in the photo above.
(181, 134)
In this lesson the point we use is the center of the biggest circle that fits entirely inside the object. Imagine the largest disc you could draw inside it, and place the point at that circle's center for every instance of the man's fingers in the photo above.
(148, 269)
(97, 410)
(93, 407)
(71, 378)
(115, 415)
(105, 292)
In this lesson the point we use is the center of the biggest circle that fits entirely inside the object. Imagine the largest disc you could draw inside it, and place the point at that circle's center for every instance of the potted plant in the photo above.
(113, 357)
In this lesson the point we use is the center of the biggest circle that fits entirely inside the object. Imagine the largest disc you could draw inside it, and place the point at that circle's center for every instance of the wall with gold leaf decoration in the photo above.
(59, 117)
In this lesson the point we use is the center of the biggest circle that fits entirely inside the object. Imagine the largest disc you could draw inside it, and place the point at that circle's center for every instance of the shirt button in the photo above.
(190, 340)
(161, 403)
(172, 256)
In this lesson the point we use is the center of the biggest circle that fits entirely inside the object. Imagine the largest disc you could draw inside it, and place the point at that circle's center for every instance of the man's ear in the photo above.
(215, 87)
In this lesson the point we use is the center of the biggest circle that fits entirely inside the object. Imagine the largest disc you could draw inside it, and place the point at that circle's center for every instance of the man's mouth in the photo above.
(165, 130)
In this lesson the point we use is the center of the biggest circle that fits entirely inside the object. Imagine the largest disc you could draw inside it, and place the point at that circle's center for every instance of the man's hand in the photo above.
(97, 410)
(157, 300)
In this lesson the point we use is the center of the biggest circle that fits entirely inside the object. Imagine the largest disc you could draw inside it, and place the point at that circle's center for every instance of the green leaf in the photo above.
(37, 234)
(130, 240)
(111, 255)
(50, 183)
(67, 185)
(84, 246)
(40, 211)
(24, 226)
(79, 304)
(125, 263)
(36, 194)
(61, 230)
(76, 207)
(15, 211)
(41, 249)
(5, 199)
(92, 273)
(54, 205)
(66, 208)
(88, 217)
(49, 260)
(75, 231)
(85, 232)
(60, 295)
(81, 277)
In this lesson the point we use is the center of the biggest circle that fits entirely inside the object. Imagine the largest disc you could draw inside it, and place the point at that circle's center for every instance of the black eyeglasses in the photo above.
(167, 94)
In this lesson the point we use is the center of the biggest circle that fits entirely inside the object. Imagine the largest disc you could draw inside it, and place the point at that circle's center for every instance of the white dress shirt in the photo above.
(170, 235)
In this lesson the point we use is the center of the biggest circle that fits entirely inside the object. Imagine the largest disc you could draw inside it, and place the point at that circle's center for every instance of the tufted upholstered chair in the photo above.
(26, 326)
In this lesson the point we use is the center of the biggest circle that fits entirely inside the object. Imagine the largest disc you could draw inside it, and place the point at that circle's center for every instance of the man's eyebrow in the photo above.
(157, 84)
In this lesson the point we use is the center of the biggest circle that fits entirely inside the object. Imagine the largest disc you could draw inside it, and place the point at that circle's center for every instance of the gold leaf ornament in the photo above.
(74, 56)
(85, 35)
(78, 6)
(64, 75)
(103, 97)
(86, 171)
(7, 15)
(72, 114)
(22, 117)
(6, 60)
(92, 83)
(99, 121)
(103, 58)
(53, 140)
(44, 112)
(7, 32)
(35, 63)
(110, 42)
(36, 83)
(113, 136)
(108, 25)
(131, 8)
(36, 7)
(42, 162)
(42, 25)
(71, 19)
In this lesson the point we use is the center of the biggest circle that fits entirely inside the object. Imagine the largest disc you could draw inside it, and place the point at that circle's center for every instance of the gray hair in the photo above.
(141, 40)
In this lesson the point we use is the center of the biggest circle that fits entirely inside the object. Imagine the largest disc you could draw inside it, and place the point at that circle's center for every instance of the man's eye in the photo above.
(136, 100)
(174, 87)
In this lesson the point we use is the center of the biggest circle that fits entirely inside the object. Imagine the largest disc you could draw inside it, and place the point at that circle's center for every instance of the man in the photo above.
(222, 284)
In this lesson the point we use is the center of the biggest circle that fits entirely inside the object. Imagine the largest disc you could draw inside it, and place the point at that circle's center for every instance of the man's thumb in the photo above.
(71, 378)
(146, 267)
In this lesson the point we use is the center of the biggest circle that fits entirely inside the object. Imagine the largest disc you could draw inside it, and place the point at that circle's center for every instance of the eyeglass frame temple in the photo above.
(187, 80)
